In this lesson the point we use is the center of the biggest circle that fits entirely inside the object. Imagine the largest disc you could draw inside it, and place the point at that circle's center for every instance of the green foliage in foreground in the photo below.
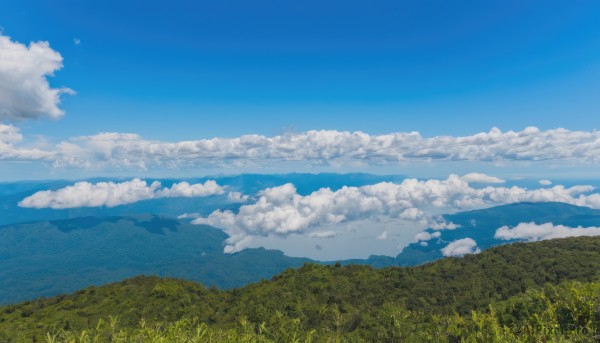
(567, 313)
(353, 302)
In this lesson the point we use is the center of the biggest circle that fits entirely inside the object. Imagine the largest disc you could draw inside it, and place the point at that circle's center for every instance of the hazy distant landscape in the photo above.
(51, 257)
(304, 172)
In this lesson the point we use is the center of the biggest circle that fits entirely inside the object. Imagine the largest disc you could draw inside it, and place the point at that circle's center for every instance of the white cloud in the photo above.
(426, 236)
(24, 89)
(237, 197)
(383, 236)
(184, 189)
(186, 215)
(545, 182)
(461, 247)
(322, 234)
(237, 243)
(481, 178)
(440, 224)
(10, 134)
(110, 194)
(10, 137)
(117, 151)
(422, 236)
(282, 211)
(539, 232)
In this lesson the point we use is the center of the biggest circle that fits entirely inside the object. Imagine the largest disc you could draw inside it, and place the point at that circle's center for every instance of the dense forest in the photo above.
(543, 291)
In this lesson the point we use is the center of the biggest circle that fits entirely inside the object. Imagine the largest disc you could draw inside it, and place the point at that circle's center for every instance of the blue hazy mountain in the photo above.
(60, 256)
(50, 257)
(250, 184)
(481, 225)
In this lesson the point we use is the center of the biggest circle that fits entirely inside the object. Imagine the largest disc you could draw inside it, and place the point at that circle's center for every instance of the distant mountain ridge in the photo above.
(51, 257)
(481, 226)
(46, 258)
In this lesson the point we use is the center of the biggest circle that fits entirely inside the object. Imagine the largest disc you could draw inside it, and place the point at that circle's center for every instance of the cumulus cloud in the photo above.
(110, 194)
(461, 247)
(237, 197)
(329, 147)
(24, 89)
(10, 137)
(426, 236)
(282, 211)
(539, 232)
(184, 189)
(332, 147)
(545, 182)
(481, 178)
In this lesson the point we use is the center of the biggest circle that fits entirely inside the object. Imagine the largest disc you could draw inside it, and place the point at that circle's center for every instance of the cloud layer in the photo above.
(110, 194)
(282, 211)
(538, 232)
(325, 147)
(24, 89)
(461, 247)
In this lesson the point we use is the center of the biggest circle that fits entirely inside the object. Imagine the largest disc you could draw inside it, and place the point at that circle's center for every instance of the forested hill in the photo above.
(357, 294)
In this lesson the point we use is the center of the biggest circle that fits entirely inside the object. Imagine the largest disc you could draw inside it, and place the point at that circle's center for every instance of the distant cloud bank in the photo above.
(282, 211)
(325, 147)
(110, 194)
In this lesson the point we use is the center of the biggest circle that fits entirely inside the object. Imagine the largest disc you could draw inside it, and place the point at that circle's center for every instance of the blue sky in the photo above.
(192, 70)
(426, 83)
(198, 69)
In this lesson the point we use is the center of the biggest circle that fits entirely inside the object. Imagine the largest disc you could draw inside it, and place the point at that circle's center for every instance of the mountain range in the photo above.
(46, 258)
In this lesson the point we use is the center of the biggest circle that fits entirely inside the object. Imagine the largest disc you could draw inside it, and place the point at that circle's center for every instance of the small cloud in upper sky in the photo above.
(76, 41)
(24, 89)
(545, 182)
(322, 234)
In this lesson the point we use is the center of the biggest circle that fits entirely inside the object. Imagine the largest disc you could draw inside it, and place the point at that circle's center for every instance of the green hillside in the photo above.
(350, 301)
